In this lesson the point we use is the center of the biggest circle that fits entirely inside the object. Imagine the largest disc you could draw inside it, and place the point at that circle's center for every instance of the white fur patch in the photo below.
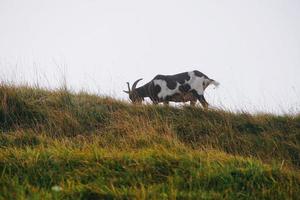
(196, 83)
(165, 91)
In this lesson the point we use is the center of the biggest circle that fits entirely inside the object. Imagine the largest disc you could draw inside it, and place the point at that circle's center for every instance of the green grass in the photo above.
(100, 148)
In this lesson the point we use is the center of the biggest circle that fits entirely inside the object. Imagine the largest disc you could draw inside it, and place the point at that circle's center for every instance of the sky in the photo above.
(252, 47)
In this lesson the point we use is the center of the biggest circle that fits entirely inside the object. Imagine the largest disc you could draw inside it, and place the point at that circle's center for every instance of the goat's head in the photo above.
(134, 96)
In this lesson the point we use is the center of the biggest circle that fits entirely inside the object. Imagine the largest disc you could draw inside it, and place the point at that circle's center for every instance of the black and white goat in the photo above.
(183, 87)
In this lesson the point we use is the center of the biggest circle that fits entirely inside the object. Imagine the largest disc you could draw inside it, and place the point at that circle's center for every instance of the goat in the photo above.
(182, 87)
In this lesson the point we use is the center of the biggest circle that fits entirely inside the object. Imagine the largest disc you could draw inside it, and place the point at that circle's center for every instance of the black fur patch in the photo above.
(157, 89)
(171, 84)
(195, 93)
(184, 88)
(199, 74)
(182, 77)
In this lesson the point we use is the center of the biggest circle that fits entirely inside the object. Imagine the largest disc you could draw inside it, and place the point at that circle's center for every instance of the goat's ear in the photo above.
(127, 92)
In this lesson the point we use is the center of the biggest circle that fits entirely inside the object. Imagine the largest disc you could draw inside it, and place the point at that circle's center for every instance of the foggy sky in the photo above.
(252, 47)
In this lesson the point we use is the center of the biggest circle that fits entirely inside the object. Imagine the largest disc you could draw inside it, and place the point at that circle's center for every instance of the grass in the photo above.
(63, 145)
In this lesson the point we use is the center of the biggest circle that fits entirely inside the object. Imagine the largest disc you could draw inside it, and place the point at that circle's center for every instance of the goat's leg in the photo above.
(203, 101)
(201, 98)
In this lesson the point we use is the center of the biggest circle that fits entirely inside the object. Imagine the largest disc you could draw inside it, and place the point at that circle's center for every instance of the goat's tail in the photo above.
(215, 83)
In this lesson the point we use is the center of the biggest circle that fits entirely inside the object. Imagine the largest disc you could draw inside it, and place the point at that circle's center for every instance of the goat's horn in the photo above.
(135, 83)
(128, 86)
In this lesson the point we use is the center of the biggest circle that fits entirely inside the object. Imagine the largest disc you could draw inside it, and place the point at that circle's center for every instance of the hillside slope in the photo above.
(61, 145)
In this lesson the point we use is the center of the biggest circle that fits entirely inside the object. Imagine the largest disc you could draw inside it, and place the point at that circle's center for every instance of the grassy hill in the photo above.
(61, 145)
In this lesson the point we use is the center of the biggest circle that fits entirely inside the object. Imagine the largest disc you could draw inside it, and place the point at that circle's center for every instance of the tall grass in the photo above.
(94, 147)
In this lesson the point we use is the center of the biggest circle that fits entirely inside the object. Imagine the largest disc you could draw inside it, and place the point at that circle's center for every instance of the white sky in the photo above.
(252, 47)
